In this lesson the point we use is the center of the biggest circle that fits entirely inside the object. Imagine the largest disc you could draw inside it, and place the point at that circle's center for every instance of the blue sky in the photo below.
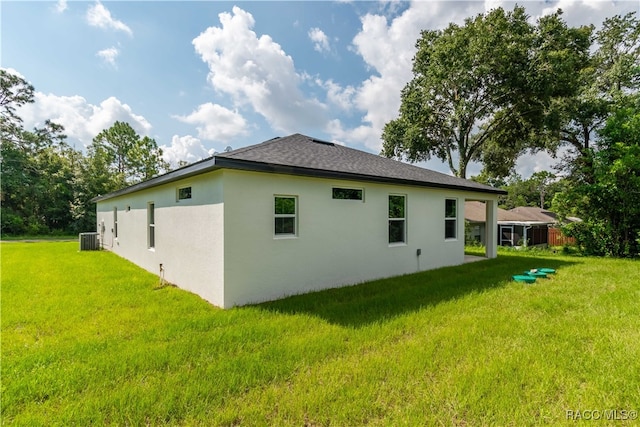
(198, 76)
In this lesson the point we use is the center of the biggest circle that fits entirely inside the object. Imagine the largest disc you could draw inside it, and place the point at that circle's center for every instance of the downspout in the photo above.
(101, 229)
(525, 228)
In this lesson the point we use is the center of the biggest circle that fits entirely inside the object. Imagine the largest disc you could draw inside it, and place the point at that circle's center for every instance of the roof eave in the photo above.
(223, 162)
(518, 222)
(204, 166)
(226, 162)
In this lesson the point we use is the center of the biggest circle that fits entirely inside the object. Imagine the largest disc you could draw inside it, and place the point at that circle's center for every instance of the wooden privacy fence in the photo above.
(556, 238)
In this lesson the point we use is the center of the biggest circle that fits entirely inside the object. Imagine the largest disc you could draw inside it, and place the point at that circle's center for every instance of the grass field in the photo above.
(88, 338)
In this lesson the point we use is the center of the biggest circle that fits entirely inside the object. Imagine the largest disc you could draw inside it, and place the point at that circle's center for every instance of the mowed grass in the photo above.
(89, 338)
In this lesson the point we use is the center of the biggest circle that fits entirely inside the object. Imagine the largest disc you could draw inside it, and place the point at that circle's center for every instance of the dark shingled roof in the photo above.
(302, 155)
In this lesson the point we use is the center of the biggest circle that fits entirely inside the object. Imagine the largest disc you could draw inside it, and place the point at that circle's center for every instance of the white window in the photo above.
(450, 219)
(285, 223)
(151, 225)
(347, 193)
(397, 219)
(183, 193)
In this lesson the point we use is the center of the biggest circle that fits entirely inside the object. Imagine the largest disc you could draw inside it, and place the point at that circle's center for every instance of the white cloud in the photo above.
(388, 48)
(255, 71)
(530, 163)
(99, 16)
(61, 6)
(111, 110)
(341, 97)
(575, 12)
(352, 135)
(109, 55)
(82, 121)
(571, 5)
(215, 122)
(14, 72)
(587, 12)
(185, 149)
(320, 40)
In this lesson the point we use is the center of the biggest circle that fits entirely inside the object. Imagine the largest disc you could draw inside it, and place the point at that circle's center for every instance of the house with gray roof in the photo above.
(520, 226)
(291, 215)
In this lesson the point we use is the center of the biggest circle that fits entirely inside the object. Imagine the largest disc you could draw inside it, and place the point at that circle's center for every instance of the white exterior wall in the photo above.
(339, 242)
(220, 244)
(189, 238)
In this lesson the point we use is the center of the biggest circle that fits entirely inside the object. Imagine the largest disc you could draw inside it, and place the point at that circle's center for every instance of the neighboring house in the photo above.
(521, 226)
(518, 230)
(544, 226)
(475, 218)
(288, 216)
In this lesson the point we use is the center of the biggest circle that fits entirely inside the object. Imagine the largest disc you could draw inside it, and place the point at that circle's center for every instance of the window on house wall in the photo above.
(151, 224)
(397, 219)
(115, 222)
(184, 193)
(285, 215)
(450, 219)
(347, 193)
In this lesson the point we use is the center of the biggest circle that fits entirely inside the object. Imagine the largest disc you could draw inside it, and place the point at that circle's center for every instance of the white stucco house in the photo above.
(288, 216)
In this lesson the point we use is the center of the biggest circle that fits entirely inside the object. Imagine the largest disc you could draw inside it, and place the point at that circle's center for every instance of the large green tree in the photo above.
(607, 195)
(46, 185)
(14, 93)
(479, 90)
(37, 167)
(604, 163)
(118, 157)
(612, 72)
(538, 190)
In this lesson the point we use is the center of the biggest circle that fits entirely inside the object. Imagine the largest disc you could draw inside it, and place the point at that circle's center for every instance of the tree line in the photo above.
(47, 185)
(489, 91)
(499, 87)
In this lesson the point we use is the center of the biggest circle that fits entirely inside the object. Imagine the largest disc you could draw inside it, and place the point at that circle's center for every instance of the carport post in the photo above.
(491, 229)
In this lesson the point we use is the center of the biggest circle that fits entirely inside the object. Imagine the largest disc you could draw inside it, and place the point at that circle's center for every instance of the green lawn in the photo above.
(88, 338)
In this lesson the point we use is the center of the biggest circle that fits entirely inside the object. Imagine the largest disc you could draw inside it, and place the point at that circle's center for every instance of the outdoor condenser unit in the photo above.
(89, 242)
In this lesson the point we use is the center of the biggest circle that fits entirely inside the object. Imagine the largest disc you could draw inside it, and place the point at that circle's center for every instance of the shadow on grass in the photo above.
(382, 300)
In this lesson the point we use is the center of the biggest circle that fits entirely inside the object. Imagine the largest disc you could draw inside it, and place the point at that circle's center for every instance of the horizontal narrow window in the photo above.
(184, 193)
(347, 193)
